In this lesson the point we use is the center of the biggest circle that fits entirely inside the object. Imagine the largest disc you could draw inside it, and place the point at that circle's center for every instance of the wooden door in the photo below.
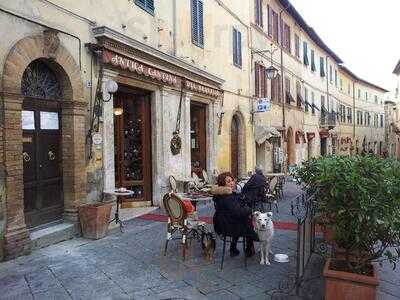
(235, 147)
(133, 145)
(42, 158)
(198, 137)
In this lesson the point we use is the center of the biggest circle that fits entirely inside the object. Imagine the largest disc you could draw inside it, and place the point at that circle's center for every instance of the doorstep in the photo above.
(52, 234)
(126, 214)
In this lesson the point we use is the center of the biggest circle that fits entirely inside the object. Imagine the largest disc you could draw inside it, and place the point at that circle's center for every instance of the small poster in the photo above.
(49, 120)
(28, 120)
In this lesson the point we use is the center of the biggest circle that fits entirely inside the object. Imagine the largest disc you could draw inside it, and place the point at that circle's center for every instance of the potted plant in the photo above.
(361, 196)
(94, 219)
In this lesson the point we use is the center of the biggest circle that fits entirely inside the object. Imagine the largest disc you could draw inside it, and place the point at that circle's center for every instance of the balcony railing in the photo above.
(327, 120)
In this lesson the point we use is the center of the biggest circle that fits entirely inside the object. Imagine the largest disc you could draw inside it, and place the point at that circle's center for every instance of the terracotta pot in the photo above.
(349, 286)
(94, 219)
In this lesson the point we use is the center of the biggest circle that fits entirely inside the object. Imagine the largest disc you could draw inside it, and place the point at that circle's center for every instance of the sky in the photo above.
(365, 34)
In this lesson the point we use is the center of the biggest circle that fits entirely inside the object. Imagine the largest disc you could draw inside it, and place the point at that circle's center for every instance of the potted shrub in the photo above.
(361, 195)
(94, 219)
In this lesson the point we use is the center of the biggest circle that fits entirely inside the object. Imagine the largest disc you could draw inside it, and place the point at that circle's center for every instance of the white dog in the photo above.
(265, 230)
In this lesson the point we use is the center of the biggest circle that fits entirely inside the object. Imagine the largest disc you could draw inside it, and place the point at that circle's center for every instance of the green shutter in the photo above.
(321, 67)
(147, 5)
(305, 54)
(312, 61)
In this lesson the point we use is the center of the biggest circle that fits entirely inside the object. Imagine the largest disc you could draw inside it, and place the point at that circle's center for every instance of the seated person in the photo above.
(255, 189)
(231, 218)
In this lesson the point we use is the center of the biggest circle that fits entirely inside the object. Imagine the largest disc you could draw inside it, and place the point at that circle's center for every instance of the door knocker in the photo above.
(51, 155)
(26, 156)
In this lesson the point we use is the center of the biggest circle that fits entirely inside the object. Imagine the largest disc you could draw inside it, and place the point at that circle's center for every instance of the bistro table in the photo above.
(275, 174)
(119, 194)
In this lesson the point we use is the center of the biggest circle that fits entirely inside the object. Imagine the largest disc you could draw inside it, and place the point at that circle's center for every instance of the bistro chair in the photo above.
(172, 184)
(273, 193)
(227, 238)
(179, 226)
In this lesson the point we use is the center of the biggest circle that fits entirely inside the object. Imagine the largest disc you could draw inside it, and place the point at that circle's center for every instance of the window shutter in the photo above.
(305, 54)
(141, 2)
(257, 81)
(312, 61)
(235, 55)
(269, 21)
(321, 67)
(239, 43)
(200, 18)
(195, 23)
(150, 5)
(261, 14)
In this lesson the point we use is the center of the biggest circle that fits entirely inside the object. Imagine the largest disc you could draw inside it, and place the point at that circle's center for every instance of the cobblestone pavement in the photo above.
(130, 265)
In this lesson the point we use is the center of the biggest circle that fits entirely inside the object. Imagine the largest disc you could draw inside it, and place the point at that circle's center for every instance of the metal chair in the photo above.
(172, 184)
(224, 237)
(178, 222)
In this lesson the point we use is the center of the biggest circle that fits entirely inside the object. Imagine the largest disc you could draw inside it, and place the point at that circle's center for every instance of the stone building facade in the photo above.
(190, 75)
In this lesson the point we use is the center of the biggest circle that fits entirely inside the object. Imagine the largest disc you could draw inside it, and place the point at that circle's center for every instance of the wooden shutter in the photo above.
(235, 55)
(239, 47)
(257, 80)
(275, 26)
(150, 5)
(201, 23)
(195, 22)
(261, 14)
(269, 11)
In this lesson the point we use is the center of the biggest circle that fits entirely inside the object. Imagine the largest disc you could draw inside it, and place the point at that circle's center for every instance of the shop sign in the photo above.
(196, 87)
(140, 68)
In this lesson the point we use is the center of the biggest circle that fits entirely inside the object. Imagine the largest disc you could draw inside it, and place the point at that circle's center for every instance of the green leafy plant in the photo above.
(360, 197)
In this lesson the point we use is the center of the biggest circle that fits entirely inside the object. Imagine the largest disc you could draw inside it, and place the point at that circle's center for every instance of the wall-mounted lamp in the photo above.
(111, 88)
(118, 111)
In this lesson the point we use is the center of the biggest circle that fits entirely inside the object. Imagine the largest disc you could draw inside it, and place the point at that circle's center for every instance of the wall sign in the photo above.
(125, 63)
(263, 105)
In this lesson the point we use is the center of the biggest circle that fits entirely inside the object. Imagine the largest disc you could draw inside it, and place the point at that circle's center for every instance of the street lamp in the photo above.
(271, 72)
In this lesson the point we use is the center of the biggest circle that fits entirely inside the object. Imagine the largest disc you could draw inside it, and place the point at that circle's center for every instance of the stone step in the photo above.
(52, 235)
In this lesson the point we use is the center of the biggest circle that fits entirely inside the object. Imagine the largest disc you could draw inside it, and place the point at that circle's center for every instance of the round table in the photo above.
(194, 198)
(119, 195)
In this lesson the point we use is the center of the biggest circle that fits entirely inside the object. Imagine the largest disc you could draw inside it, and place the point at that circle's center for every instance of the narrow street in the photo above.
(130, 265)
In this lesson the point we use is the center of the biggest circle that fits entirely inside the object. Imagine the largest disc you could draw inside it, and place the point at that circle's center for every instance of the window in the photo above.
(336, 78)
(366, 96)
(376, 99)
(273, 22)
(349, 115)
(299, 98)
(276, 89)
(237, 48)
(361, 118)
(348, 89)
(306, 103)
(260, 81)
(330, 74)
(381, 120)
(359, 94)
(312, 61)
(342, 113)
(286, 37)
(288, 95)
(312, 103)
(321, 67)
(323, 109)
(197, 23)
(376, 120)
(259, 13)
(297, 46)
(147, 5)
(305, 54)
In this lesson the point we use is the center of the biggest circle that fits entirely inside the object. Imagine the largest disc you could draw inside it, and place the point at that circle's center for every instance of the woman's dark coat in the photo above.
(230, 218)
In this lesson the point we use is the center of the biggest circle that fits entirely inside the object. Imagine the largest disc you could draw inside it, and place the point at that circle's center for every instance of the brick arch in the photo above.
(25, 51)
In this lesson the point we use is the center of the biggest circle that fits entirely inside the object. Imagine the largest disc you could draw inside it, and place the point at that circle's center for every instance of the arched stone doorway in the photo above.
(238, 145)
(46, 49)
(291, 151)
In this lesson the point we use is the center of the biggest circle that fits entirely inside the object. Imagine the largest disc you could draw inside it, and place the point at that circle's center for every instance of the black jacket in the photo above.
(255, 189)
(230, 218)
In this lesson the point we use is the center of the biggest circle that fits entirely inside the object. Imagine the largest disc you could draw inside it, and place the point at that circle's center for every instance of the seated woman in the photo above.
(231, 218)
(255, 190)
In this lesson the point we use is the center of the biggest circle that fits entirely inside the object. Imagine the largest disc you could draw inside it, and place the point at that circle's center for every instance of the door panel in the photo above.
(133, 145)
(234, 147)
(43, 201)
(198, 137)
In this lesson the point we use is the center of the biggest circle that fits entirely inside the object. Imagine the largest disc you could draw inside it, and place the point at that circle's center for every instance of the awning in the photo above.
(263, 133)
